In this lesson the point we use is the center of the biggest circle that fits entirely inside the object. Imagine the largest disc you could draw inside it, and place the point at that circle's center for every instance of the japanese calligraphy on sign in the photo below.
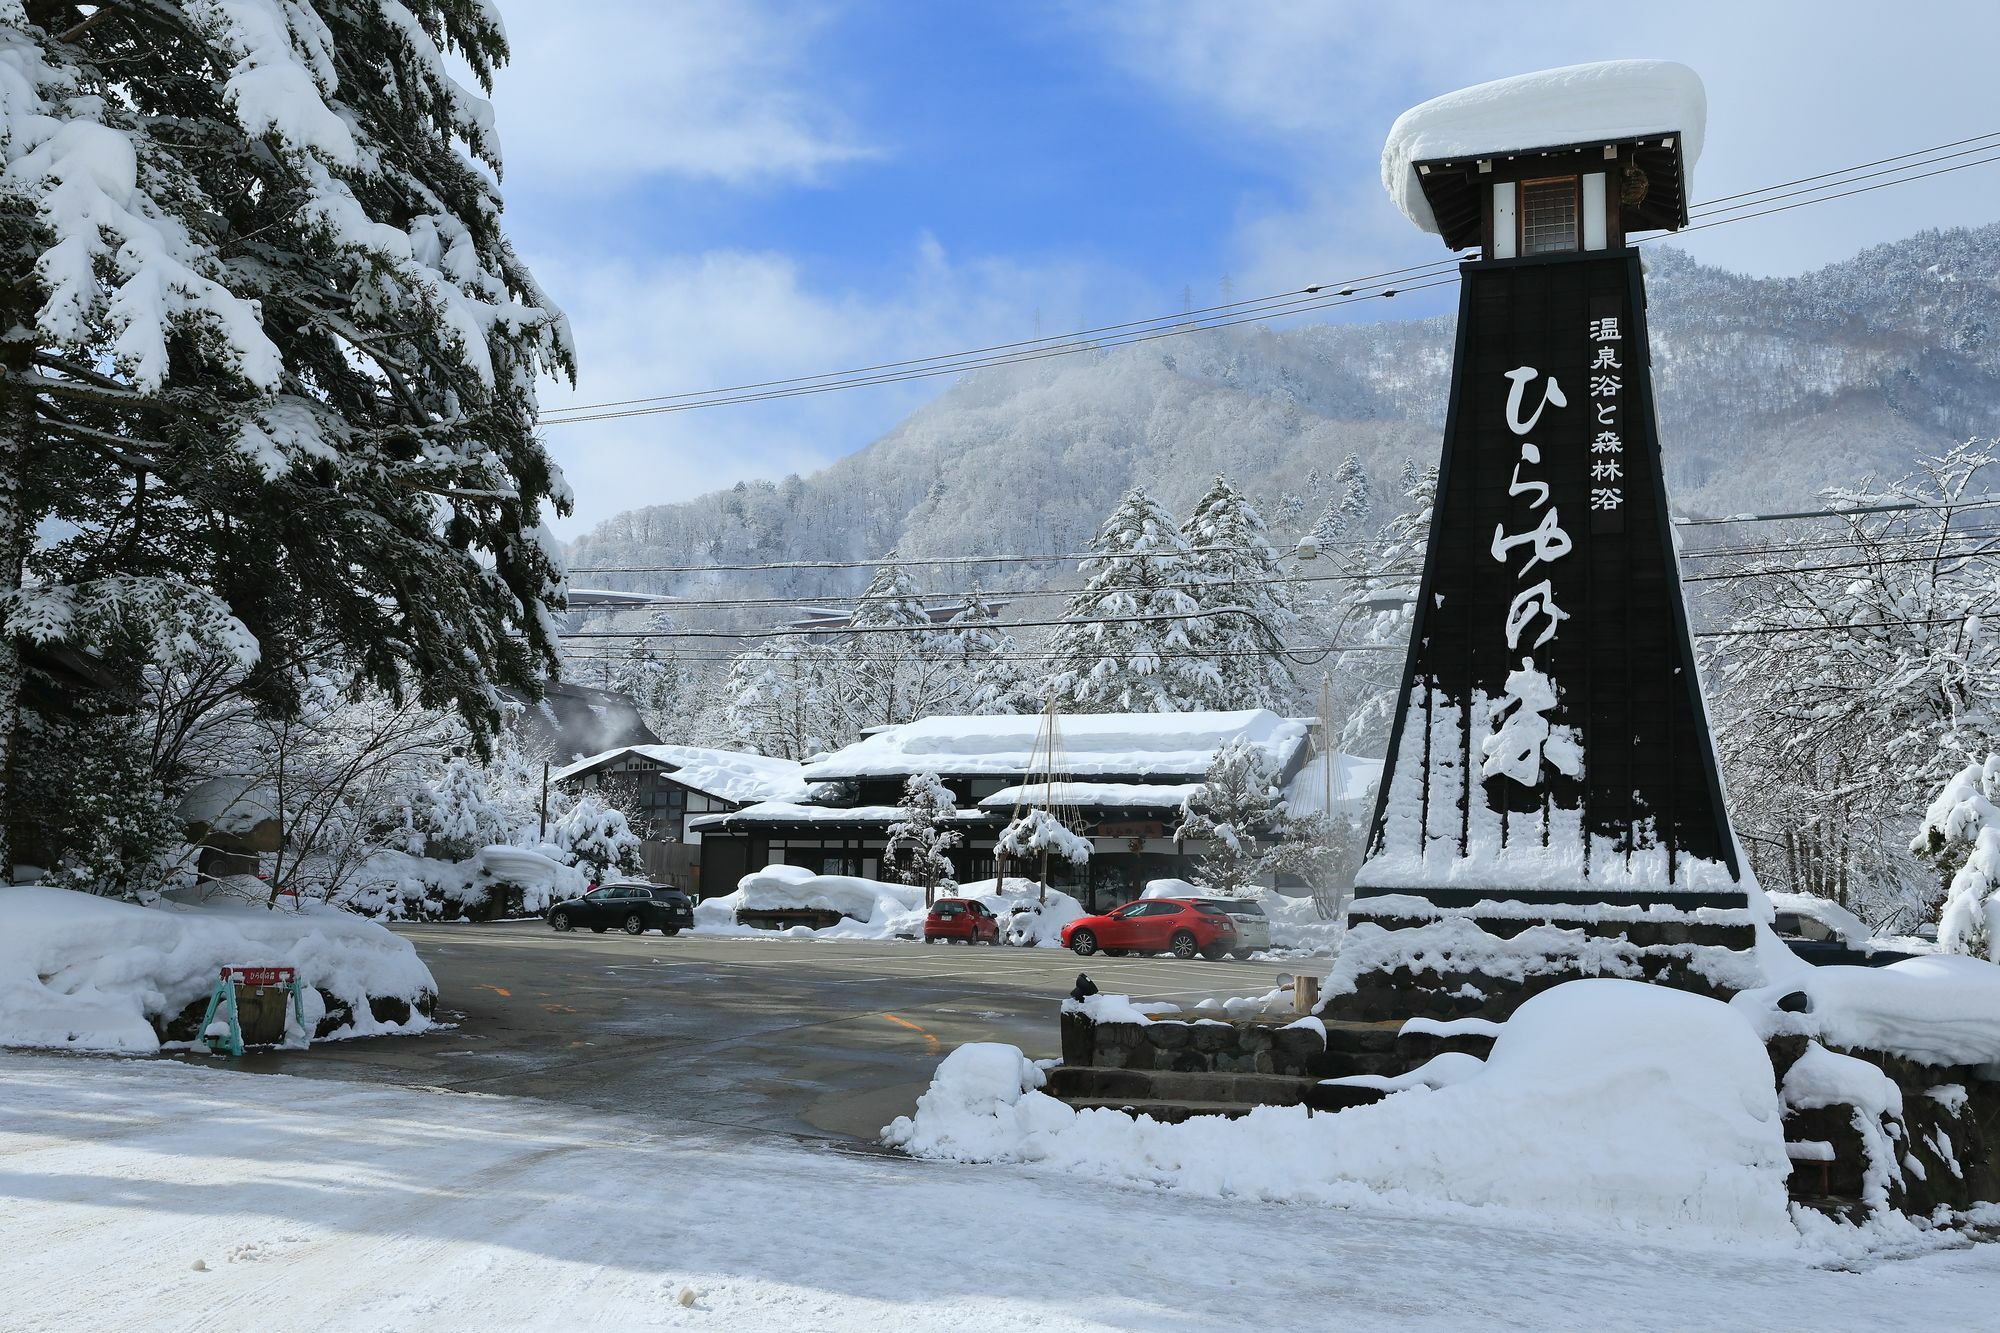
(1607, 402)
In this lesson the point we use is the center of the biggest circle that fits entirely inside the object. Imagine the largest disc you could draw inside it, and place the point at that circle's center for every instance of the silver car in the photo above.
(1253, 928)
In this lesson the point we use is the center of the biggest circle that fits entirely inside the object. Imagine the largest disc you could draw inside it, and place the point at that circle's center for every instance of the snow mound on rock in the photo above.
(88, 973)
(1603, 1098)
(1577, 104)
(871, 909)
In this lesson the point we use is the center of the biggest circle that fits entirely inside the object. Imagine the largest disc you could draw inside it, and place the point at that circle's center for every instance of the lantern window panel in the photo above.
(1551, 215)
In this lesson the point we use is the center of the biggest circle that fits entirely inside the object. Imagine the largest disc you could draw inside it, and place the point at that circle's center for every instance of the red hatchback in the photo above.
(1182, 927)
(961, 919)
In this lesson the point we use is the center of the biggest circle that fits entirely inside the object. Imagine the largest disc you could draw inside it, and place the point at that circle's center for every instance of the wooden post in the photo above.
(543, 836)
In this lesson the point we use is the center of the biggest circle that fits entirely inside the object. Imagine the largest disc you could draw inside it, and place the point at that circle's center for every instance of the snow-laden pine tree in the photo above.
(1855, 680)
(900, 662)
(1348, 514)
(919, 842)
(1961, 836)
(1253, 602)
(988, 661)
(789, 701)
(1240, 813)
(1369, 618)
(1129, 650)
(266, 357)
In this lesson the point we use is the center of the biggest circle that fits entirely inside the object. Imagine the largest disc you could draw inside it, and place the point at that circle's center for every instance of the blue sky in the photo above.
(721, 191)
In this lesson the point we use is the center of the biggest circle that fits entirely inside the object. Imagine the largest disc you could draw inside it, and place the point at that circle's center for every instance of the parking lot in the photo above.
(794, 1037)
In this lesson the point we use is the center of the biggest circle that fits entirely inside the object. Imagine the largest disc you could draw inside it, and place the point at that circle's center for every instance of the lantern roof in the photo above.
(1646, 115)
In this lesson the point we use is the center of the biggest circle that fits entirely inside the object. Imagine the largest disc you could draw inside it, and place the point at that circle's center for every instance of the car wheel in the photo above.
(1215, 955)
(995, 941)
(1083, 943)
(635, 924)
(560, 920)
(1184, 945)
(670, 930)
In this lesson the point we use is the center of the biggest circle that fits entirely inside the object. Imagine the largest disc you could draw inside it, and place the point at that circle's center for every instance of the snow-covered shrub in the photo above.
(595, 837)
(1035, 833)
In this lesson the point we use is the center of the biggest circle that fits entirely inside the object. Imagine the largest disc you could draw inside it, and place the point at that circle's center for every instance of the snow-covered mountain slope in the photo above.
(1769, 389)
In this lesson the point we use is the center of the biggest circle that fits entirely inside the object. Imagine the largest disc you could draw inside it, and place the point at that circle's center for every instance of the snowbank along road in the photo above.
(795, 1037)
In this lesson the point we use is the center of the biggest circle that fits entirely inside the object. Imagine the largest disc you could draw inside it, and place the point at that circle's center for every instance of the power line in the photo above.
(1842, 171)
(1823, 199)
(892, 562)
(1291, 307)
(1769, 198)
(1322, 650)
(1292, 302)
(1311, 290)
(1980, 502)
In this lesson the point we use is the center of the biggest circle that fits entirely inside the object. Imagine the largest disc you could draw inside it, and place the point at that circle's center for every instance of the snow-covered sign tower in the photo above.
(1551, 749)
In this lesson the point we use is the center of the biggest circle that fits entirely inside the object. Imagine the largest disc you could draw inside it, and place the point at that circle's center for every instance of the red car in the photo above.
(1182, 927)
(961, 919)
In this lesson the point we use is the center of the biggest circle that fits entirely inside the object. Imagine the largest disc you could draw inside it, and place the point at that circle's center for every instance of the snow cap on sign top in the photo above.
(1577, 104)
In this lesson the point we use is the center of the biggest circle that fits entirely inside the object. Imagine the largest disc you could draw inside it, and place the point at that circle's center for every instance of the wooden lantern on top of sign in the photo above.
(1551, 744)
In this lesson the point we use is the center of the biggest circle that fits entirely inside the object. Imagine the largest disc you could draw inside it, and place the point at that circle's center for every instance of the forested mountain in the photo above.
(1769, 389)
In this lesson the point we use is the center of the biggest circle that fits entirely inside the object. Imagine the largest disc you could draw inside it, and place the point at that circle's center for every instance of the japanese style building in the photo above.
(1122, 779)
(664, 789)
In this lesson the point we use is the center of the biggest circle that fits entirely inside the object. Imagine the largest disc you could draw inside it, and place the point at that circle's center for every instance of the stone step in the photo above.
(1083, 1086)
(1167, 1112)
(1356, 1037)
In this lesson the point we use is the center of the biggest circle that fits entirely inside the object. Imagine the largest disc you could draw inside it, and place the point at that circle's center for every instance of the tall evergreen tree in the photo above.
(266, 356)
(1253, 601)
(1113, 660)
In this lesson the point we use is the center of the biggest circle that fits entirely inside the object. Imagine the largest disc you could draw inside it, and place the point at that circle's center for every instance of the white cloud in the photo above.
(695, 322)
(1795, 87)
(598, 96)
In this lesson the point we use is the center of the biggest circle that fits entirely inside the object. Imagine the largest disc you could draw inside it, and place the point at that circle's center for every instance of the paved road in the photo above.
(794, 1037)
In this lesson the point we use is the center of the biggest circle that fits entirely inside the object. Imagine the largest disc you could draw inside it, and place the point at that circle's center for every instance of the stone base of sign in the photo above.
(1408, 957)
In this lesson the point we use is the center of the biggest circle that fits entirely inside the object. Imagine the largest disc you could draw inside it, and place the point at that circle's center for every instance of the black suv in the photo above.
(633, 906)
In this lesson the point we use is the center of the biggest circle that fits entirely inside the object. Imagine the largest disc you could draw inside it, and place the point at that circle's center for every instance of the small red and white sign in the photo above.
(260, 976)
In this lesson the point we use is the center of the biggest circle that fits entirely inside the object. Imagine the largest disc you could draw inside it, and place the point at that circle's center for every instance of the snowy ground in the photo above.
(328, 1205)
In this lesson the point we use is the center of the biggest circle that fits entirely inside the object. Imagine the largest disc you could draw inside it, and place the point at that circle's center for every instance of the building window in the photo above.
(1549, 216)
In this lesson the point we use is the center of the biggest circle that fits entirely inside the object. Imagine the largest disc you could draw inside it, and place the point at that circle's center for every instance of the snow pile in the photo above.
(1027, 916)
(873, 910)
(90, 973)
(1612, 1098)
(1578, 104)
(1943, 1009)
(398, 886)
(1821, 1078)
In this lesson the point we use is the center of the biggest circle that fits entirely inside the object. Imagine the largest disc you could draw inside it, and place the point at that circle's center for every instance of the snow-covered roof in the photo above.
(1091, 745)
(1107, 795)
(1605, 102)
(793, 812)
(1353, 780)
(727, 775)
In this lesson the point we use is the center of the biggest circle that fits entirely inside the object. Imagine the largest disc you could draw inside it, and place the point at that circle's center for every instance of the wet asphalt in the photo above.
(809, 1039)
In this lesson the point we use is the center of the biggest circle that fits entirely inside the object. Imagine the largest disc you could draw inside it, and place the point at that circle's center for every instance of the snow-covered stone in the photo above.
(88, 973)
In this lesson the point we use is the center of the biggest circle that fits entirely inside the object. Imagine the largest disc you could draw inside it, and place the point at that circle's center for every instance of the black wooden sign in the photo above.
(1551, 738)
